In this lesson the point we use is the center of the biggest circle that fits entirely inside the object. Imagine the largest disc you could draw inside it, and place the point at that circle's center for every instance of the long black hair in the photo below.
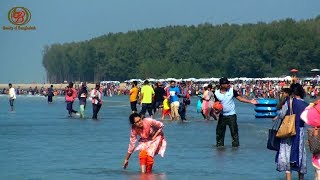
(132, 116)
(297, 90)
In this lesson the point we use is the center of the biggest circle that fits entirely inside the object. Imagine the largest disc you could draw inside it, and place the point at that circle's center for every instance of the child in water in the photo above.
(166, 109)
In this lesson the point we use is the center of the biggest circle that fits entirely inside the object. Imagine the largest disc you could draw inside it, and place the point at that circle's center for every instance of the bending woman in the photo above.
(151, 142)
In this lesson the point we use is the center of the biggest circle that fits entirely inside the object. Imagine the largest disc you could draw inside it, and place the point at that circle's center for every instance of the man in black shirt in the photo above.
(159, 97)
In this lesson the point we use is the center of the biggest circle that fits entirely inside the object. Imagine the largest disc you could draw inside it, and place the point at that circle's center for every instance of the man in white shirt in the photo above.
(12, 96)
(228, 117)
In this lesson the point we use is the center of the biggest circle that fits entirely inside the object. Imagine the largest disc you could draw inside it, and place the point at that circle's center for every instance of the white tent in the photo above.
(131, 80)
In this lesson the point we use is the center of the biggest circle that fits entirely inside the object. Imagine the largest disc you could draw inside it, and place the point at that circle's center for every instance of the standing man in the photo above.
(158, 97)
(146, 96)
(70, 96)
(50, 94)
(12, 96)
(184, 100)
(134, 96)
(228, 116)
(174, 91)
(96, 96)
(82, 96)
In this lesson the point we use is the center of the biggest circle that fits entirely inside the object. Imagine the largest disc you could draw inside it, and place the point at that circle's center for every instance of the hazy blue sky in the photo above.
(62, 21)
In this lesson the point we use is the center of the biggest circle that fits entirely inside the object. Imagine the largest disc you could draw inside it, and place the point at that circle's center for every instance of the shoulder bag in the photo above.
(287, 127)
(273, 141)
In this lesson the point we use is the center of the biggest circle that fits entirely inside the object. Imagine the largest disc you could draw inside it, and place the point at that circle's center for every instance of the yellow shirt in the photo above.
(134, 94)
(147, 92)
(166, 104)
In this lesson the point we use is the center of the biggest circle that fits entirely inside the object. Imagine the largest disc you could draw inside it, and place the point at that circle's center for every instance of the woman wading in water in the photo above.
(151, 142)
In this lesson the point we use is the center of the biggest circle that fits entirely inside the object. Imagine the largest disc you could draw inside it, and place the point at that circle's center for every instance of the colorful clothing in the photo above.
(96, 97)
(134, 94)
(166, 104)
(173, 93)
(72, 97)
(147, 93)
(283, 157)
(311, 116)
(207, 103)
(152, 147)
(292, 153)
(146, 160)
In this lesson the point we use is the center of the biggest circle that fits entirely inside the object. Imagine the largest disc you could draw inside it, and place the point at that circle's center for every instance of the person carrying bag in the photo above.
(311, 116)
(292, 154)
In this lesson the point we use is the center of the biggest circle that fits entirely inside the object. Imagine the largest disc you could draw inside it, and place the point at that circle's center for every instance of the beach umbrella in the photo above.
(293, 70)
(315, 70)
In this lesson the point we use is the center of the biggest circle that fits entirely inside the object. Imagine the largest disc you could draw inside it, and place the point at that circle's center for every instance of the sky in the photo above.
(62, 21)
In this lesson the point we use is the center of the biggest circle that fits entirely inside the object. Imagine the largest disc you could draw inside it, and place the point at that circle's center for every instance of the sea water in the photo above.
(39, 141)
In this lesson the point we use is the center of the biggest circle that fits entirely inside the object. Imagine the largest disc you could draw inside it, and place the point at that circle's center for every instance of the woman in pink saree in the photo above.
(311, 116)
(151, 142)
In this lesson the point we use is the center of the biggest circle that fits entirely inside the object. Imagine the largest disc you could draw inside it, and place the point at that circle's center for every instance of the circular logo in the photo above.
(19, 15)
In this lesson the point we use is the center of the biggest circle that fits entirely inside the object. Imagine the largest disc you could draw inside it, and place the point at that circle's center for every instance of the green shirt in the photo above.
(147, 93)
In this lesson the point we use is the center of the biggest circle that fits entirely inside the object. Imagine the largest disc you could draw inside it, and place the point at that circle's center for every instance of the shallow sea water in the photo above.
(39, 141)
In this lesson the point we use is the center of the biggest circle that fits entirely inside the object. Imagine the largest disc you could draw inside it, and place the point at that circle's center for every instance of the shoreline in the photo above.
(55, 86)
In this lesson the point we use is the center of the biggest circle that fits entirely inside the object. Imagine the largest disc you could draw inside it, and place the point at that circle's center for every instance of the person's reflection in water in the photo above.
(147, 176)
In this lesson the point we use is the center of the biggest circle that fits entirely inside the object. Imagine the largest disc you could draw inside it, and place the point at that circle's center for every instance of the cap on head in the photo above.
(224, 80)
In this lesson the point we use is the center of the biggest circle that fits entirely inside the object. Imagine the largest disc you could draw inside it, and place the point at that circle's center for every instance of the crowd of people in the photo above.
(172, 98)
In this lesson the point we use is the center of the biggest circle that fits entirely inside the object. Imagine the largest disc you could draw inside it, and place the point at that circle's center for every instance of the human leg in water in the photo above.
(146, 162)
(82, 108)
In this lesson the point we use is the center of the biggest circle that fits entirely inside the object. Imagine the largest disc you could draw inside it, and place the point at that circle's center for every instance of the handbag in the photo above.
(273, 141)
(314, 140)
(287, 127)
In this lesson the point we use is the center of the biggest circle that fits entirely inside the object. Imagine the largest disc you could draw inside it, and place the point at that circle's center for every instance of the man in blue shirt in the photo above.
(173, 93)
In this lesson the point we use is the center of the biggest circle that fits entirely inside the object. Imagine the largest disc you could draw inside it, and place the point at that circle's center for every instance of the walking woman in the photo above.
(96, 96)
(292, 153)
(151, 142)
(82, 96)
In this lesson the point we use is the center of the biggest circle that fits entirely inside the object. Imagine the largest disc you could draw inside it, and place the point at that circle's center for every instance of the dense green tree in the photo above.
(206, 50)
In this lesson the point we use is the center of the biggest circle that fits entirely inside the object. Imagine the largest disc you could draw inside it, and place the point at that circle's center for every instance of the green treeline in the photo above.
(206, 50)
